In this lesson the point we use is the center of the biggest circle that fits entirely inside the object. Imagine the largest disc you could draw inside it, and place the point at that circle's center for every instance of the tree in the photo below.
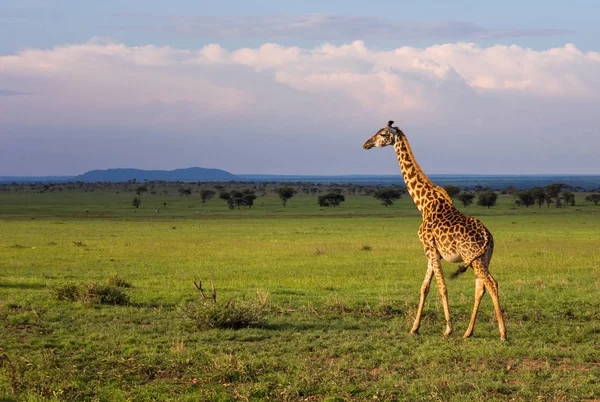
(136, 202)
(553, 190)
(511, 190)
(387, 196)
(206, 195)
(332, 199)
(237, 198)
(452, 190)
(285, 193)
(141, 189)
(185, 191)
(249, 196)
(480, 189)
(487, 199)
(526, 198)
(466, 198)
(539, 195)
(595, 198)
(568, 197)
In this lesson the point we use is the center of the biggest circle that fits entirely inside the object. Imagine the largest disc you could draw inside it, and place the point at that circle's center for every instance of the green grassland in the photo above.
(339, 286)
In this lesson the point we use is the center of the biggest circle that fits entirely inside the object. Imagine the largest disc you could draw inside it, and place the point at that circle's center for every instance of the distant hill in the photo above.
(189, 174)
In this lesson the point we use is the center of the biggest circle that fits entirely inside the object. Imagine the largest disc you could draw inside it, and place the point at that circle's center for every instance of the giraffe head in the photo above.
(384, 137)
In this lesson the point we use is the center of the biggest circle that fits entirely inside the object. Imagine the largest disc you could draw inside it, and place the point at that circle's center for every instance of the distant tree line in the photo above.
(244, 194)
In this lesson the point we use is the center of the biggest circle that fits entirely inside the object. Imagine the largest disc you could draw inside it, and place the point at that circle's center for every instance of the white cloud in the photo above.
(96, 82)
(488, 94)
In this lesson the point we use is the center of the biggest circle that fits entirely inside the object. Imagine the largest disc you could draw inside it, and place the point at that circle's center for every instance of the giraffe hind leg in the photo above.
(479, 291)
(491, 285)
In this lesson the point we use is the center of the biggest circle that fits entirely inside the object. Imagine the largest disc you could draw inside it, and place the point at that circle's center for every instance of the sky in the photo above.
(281, 87)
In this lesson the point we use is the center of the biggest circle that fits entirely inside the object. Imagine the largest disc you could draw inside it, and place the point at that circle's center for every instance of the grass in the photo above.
(335, 290)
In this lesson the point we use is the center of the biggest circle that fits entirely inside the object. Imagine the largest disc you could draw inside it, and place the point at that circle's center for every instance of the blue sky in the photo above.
(295, 87)
(49, 22)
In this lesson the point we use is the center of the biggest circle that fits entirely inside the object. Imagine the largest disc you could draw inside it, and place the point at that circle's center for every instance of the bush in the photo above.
(118, 282)
(233, 314)
(65, 291)
(92, 293)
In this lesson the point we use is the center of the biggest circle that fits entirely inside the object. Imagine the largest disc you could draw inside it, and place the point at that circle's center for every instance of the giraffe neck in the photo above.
(423, 192)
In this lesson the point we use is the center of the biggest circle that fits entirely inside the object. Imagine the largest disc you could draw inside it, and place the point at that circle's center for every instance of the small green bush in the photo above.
(66, 291)
(233, 314)
(118, 282)
(92, 293)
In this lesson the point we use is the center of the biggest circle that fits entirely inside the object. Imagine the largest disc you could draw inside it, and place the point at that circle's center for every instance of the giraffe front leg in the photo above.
(441, 284)
(424, 291)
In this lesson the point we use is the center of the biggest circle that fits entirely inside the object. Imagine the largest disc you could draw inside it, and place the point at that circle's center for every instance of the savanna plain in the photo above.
(332, 294)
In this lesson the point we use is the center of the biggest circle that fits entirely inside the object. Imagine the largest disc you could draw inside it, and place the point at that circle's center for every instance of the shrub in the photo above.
(233, 314)
(118, 282)
(65, 291)
(92, 293)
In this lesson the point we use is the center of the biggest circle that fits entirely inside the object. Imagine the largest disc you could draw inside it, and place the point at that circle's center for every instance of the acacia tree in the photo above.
(237, 198)
(224, 195)
(452, 190)
(487, 199)
(206, 195)
(595, 198)
(553, 190)
(141, 189)
(332, 199)
(568, 197)
(466, 198)
(285, 193)
(539, 195)
(136, 202)
(248, 196)
(526, 198)
(185, 191)
(387, 196)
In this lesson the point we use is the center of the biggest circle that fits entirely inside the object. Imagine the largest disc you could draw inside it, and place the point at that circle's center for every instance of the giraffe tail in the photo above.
(459, 271)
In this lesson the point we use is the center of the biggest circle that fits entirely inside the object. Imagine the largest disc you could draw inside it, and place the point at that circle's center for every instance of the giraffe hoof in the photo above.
(467, 335)
(448, 332)
(414, 332)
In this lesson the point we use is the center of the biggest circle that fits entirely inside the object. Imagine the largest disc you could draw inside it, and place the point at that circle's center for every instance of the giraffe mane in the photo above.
(443, 192)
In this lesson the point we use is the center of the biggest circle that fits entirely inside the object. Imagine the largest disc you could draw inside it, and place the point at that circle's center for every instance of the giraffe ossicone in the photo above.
(445, 232)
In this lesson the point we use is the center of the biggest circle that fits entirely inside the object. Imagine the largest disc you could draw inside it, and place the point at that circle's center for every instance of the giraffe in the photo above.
(445, 232)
